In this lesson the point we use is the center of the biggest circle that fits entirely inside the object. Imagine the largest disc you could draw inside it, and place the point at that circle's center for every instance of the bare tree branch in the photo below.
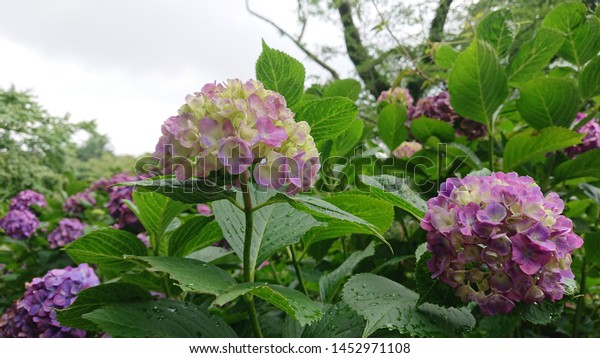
(436, 31)
(311, 55)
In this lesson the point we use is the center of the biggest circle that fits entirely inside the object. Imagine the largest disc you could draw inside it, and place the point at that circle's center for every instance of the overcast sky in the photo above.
(129, 64)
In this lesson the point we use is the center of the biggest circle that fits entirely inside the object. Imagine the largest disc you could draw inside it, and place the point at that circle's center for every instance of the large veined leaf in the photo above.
(348, 140)
(95, 297)
(327, 117)
(395, 191)
(275, 226)
(329, 283)
(423, 128)
(193, 235)
(528, 147)
(589, 79)
(542, 313)
(191, 191)
(349, 88)
(156, 212)
(292, 302)
(339, 321)
(391, 125)
(191, 275)
(445, 56)
(565, 17)
(496, 30)
(584, 165)
(477, 83)
(534, 55)
(281, 73)
(160, 319)
(386, 304)
(375, 211)
(106, 247)
(546, 102)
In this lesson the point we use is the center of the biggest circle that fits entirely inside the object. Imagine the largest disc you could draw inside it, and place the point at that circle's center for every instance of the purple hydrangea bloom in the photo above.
(68, 230)
(234, 125)
(34, 315)
(590, 141)
(497, 240)
(76, 204)
(25, 199)
(395, 95)
(19, 224)
(204, 210)
(116, 194)
(438, 107)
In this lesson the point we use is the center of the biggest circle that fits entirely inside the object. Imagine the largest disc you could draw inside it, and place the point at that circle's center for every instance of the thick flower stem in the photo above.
(248, 268)
(301, 283)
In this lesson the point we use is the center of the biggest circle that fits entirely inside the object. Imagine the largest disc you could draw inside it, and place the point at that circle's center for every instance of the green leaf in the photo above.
(193, 235)
(423, 128)
(542, 313)
(499, 326)
(327, 117)
(445, 56)
(281, 73)
(275, 226)
(527, 147)
(161, 319)
(395, 191)
(477, 83)
(95, 297)
(582, 43)
(348, 140)
(534, 55)
(565, 17)
(156, 212)
(391, 126)
(589, 79)
(339, 321)
(329, 283)
(191, 191)
(546, 102)
(191, 275)
(209, 254)
(592, 248)
(106, 247)
(375, 211)
(292, 302)
(348, 88)
(387, 304)
(496, 30)
(583, 165)
(432, 290)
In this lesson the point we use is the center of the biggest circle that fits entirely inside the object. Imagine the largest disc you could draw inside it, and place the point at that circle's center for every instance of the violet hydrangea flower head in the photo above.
(395, 95)
(76, 204)
(25, 199)
(68, 230)
(116, 196)
(19, 224)
(438, 107)
(34, 315)
(407, 149)
(590, 141)
(497, 240)
(234, 125)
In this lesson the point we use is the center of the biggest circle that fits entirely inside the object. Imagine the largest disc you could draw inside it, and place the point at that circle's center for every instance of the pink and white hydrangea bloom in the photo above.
(233, 126)
(395, 95)
(407, 149)
(497, 240)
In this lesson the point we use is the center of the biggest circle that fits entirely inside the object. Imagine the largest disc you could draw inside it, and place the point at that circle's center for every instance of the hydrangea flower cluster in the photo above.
(34, 315)
(496, 240)
(68, 230)
(76, 204)
(592, 136)
(395, 95)
(19, 224)
(407, 149)
(438, 107)
(116, 194)
(25, 199)
(234, 125)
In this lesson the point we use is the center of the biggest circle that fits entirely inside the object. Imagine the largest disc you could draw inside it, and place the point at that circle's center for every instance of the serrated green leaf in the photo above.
(161, 319)
(395, 191)
(528, 147)
(191, 191)
(156, 212)
(327, 117)
(386, 304)
(292, 302)
(565, 17)
(423, 128)
(330, 283)
(348, 88)
(546, 102)
(589, 79)
(106, 247)
(582, 43)
(193, 235)
(445, 56)
(499, 326)
(281, 73)
(542, 313)
(392, 125)
(348, 140)
(583, 165)
(339, 321)
(477, 83)
(496, 30)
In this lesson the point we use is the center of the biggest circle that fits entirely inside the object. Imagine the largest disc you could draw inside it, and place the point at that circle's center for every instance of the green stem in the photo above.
(580, 301)
(491, 140)
(167, 285)
(298, 270)
(275, 275)
(248, 268)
